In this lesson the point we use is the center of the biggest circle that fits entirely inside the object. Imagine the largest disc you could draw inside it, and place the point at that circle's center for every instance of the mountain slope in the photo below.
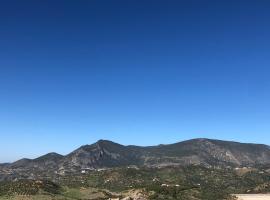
(48, 160)
(211, 152)
(101, 154)
(104, 154)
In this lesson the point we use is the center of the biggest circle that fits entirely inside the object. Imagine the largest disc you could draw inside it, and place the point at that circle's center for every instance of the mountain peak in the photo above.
(104, 142)
(48, 156)
(105, 153)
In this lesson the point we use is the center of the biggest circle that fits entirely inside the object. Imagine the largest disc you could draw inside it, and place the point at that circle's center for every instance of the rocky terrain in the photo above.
(107, 154)
(194, 169)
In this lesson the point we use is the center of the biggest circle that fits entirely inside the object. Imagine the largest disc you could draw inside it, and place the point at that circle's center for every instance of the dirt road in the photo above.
(253, 196)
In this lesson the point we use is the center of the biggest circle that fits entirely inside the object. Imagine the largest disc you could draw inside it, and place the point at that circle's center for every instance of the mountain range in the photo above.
(108, 154)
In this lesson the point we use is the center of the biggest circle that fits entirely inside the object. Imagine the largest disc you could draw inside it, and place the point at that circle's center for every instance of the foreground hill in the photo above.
(143, 183)
(107, 154)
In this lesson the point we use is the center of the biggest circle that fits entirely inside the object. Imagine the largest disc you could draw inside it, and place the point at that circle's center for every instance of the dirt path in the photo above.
(253, 196)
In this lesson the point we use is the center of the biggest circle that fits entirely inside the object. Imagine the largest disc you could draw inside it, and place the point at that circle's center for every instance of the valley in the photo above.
(199, 169)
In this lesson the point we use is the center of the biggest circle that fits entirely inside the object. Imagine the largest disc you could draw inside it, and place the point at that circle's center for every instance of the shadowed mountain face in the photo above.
(104, 154)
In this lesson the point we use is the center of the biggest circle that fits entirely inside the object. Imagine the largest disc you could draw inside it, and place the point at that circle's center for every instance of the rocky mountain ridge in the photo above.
(107, 154)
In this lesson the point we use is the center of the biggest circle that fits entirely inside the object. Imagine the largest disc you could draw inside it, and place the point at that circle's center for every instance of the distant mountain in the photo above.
(210, 153)
(106, 154)
(47, 161)
(102, 154)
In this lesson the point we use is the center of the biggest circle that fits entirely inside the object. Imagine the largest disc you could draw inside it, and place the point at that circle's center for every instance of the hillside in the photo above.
(107, 154)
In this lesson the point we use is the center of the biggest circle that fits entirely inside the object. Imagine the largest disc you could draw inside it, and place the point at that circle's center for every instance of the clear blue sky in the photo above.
(135, 72)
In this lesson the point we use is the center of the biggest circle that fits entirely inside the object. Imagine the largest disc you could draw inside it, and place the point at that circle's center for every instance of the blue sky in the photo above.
(135, 72)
